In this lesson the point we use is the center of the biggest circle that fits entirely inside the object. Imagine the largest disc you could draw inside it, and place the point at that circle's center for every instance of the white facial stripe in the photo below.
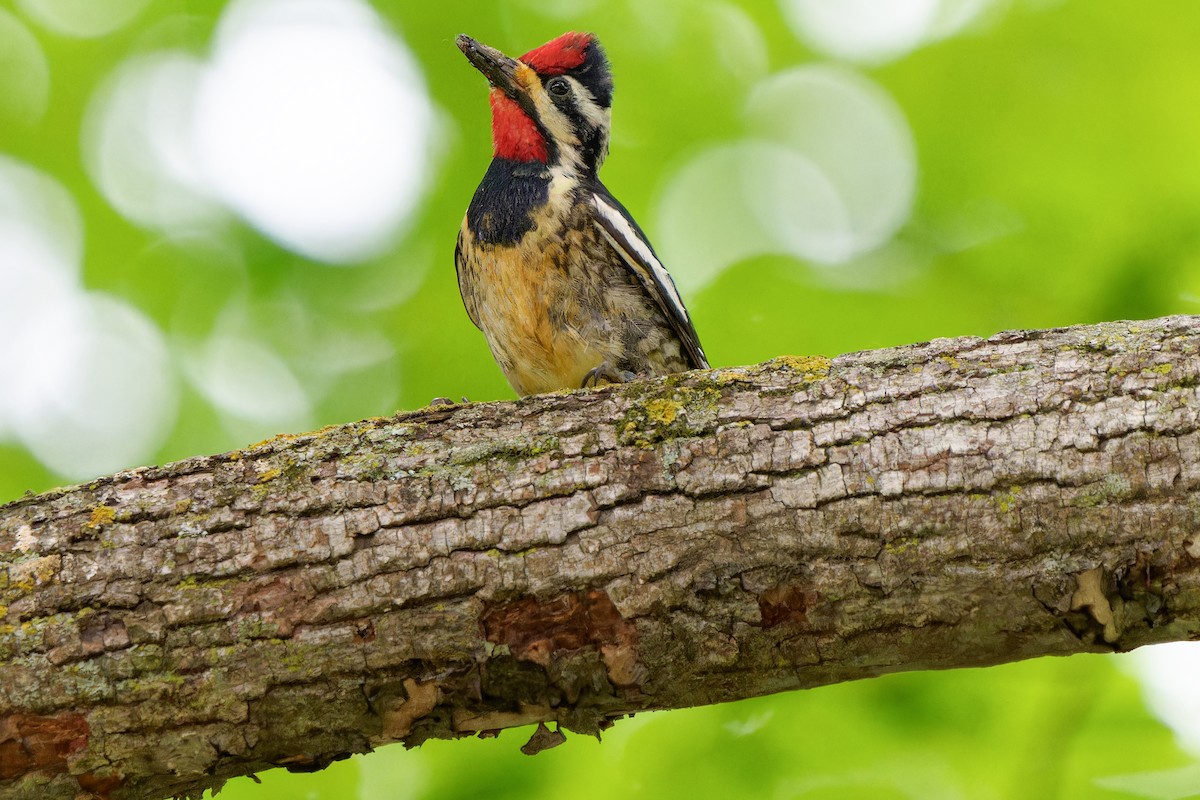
(631, 241)
(595, 114)
(556, 122)
(562, 129)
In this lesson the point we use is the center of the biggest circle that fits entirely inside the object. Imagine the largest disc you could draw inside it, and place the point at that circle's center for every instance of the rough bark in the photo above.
(578, 557)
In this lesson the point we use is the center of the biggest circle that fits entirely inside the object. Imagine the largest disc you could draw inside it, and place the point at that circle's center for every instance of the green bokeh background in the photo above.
(1071, 129)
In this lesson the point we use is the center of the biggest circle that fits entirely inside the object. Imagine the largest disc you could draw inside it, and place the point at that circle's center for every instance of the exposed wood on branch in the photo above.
(578, 557)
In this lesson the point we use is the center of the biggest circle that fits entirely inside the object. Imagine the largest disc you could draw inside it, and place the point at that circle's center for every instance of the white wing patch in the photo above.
(633, 249)
(630, 240)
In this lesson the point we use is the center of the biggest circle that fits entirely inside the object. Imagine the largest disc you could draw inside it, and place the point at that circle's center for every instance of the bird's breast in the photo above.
(537, 304)
(508, 199)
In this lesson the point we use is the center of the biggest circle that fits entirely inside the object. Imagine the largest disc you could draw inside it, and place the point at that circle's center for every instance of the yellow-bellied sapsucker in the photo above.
(551, 267)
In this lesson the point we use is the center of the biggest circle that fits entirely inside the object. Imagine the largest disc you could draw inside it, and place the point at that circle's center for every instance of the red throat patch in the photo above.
(514, 135)
(559, 55)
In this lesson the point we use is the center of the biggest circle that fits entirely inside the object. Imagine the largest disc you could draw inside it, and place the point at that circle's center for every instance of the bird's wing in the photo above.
(464, 287)
(627, 239)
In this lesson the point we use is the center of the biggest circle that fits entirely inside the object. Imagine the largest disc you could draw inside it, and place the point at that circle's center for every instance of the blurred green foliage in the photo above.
(1058, 183)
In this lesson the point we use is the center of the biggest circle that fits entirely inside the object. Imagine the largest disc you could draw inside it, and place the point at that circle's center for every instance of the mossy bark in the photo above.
(577, 557)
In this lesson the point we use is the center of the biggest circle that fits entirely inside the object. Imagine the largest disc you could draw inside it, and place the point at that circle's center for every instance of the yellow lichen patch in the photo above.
(683, 412)
(901, 545)
(268, 475)
(1161, 369)
(101, 516)
(813, 368)
(1006, 501)
(662, 411)
(725, 377)
(277, 438)
(34, 572)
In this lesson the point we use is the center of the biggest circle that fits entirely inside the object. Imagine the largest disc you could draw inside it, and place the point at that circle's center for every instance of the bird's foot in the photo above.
(606, 373)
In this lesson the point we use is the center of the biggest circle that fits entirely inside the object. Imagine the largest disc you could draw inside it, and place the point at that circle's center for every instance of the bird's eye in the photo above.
(559, 87)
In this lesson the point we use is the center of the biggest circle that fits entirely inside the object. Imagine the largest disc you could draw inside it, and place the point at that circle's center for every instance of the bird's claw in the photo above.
(606, 373)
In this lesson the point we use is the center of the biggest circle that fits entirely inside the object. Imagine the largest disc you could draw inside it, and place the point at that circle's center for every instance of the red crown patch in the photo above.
(559, 55)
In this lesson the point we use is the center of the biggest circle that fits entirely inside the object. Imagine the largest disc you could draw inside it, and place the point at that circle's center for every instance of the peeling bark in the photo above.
(573, 558)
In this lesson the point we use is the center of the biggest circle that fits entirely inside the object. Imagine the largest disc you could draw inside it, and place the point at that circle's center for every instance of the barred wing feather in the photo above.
(623, 234)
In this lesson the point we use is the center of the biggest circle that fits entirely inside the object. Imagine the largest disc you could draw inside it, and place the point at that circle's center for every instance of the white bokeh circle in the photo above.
(853, 131)
(310, 120)
(738, 42)
(24, 74)
(737, 201)
(98, 392)
(89, 386)
(83, 18)
(137, 142)
(1168, 676)
(41, 243)
(313, 123)
(827, 175)
(874, 31)
(250, 384)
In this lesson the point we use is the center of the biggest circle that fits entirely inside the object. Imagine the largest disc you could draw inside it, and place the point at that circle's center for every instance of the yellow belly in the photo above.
(530, 314)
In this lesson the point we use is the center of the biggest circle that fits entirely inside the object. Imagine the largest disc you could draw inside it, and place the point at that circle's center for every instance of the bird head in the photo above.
(551, 104)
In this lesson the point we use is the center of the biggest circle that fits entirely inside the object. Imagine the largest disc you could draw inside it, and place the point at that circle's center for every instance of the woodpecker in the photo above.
(551, 267)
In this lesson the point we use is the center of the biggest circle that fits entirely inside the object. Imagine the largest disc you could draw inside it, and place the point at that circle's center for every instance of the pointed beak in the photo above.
(499, 69)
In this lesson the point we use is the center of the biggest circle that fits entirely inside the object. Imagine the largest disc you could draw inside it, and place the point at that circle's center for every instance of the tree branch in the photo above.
(582, 556)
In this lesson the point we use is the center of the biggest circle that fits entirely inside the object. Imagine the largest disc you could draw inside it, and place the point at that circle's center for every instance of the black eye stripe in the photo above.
(593, 75)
